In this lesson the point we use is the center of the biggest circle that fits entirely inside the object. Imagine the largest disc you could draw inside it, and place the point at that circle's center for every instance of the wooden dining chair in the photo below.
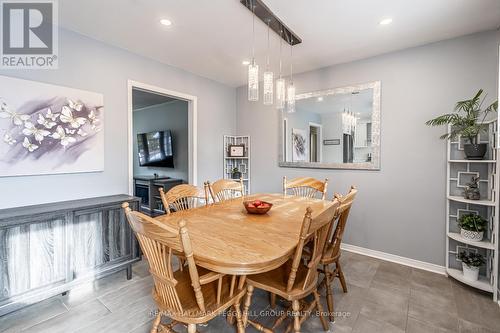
(226, 189)
(191, 296)
(182, 197)
(332, 252)
(294, 280)
(305, 187)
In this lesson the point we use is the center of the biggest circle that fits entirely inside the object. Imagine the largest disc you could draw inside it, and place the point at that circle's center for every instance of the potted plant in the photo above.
(472, 227)
(235, 173)
(470, 264)
(466, 122)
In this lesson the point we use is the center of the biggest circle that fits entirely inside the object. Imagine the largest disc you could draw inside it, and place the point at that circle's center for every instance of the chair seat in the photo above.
(275, 281)
(188, 299)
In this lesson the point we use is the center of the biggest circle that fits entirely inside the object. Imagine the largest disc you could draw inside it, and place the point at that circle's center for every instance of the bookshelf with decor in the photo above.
(472, 196)
(237, 159)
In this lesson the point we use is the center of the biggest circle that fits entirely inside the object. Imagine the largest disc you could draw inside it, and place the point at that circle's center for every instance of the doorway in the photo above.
(150, 94)
(315, 141)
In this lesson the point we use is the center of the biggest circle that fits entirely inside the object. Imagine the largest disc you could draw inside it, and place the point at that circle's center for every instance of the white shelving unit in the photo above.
(242, 163)
(460, 172)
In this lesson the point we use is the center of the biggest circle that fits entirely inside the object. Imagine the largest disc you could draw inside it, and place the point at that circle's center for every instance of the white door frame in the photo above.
(192, 129)
(319, 145)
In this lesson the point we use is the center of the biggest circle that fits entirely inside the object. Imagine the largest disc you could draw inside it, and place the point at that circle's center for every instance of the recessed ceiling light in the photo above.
(166, 22)
(320, 99)
(385, 21)
(245, 62)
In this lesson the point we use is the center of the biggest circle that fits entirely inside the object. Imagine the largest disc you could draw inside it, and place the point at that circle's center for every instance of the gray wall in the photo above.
(171, 116)
(91, 65)
(401, 209)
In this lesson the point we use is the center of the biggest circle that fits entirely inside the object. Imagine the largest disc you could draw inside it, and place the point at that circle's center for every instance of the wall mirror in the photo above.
(333, 129)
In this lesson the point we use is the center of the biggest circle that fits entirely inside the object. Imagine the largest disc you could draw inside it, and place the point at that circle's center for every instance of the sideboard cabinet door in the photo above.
(33, 254)
(101, 237)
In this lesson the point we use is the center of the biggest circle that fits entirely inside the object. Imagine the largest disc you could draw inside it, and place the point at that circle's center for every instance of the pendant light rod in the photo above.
(291, 62)
(281, 47)
(253, 29)
(259, 8)
(268, 44)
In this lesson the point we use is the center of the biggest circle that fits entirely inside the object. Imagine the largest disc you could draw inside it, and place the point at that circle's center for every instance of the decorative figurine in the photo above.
(472, 190)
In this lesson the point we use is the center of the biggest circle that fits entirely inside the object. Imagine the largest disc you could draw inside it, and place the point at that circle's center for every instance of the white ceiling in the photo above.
(211, 38)
(142, 99)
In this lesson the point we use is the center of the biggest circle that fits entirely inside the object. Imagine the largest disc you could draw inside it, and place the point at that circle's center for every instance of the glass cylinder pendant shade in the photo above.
(268, 88)
(290, 98)
(280, 94)
(253, 81)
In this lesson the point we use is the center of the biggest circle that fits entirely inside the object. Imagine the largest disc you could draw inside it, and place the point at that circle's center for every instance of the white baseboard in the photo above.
(394, 258)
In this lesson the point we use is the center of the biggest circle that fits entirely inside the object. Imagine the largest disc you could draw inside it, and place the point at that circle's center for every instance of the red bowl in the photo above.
(257, 210)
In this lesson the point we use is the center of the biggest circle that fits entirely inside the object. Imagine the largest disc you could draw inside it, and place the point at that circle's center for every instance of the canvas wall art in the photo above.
(299, 145)
(49, 129)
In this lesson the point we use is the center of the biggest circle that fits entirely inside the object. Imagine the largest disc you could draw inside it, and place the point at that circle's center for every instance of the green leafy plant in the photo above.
(472, 222)
(466, 119)
(471, 259)
(235, 170)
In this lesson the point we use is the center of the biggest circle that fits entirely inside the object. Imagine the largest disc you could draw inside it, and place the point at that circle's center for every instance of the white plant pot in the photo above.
(470, 273)
(473, 236)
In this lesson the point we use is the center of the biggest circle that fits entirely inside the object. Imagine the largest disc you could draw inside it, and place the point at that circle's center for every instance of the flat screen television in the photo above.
(155, 149)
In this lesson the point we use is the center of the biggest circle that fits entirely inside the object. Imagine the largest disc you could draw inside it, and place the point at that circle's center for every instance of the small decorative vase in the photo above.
(474, 236)
(470, 273)
(475, 151)
(236, 175)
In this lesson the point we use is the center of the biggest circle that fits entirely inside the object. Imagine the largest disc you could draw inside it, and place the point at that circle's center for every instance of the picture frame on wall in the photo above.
(236, 151)
(48, 129)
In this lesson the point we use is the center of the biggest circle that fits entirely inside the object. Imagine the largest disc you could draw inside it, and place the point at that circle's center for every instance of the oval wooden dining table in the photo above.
(226, 239)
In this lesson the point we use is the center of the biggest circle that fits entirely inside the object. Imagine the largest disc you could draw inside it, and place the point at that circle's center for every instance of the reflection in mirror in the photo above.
(337, 128)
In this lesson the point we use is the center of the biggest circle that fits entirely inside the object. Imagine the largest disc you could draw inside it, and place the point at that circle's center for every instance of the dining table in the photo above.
(226, 239)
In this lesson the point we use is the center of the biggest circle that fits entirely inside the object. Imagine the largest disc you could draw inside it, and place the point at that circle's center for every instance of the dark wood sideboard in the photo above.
(49, 249)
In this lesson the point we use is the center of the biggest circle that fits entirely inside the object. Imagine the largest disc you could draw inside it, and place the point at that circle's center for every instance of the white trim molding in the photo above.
(395, 258)
(192, 129)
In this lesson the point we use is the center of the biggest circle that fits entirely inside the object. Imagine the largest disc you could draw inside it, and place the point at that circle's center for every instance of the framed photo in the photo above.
(331, 142)
(236, 150)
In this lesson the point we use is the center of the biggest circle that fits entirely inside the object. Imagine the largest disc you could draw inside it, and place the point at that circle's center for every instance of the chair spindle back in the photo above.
(183, 197)
(226, 189)
(305, 187)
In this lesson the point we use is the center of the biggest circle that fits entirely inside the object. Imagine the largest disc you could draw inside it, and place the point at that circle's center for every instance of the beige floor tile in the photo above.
(434, 301)
(417, 326)
(32, 315)
(390, 281)
(360, 273)
(434, 317)
(468, 327)
(385, 297)
(74, 319)
(389, 313)
(367, 325)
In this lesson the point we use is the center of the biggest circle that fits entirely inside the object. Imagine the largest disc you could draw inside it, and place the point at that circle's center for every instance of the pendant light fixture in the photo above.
(280, 82)
(291, 88)
(253, 68)
(268, 75)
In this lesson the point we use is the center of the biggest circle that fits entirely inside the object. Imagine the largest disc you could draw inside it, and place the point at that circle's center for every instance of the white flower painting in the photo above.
(48, 129)
(299, 144)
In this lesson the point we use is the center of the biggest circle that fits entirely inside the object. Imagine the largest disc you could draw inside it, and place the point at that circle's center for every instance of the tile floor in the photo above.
(383, 297)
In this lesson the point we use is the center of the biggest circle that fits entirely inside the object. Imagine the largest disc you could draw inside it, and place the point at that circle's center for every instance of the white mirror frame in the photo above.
(375, 162)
